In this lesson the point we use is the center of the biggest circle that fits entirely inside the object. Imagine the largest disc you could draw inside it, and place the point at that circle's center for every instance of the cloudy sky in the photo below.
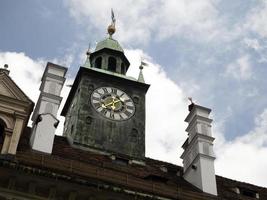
(212, 50)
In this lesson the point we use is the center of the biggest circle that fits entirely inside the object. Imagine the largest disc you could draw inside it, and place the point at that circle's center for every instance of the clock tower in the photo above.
(105, 109)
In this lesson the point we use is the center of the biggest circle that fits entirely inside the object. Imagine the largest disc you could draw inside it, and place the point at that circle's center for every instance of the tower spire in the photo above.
(141, 76)
(111, 27)
(88, 53)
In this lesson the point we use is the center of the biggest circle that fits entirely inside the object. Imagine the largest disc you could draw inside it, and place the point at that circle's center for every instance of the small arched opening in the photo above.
(2, 133)
(112, 64)
(98, 62)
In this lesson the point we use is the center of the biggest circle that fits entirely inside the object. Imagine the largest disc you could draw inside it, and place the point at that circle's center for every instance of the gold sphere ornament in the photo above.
(111, 29)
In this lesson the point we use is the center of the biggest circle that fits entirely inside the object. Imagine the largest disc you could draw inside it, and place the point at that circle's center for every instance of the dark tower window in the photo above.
(2, 131)
(122, 68)
(98, 62)
(112, 64)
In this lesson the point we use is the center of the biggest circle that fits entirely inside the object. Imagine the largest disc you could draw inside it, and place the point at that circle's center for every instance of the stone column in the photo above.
(16, 135)
(7, 139)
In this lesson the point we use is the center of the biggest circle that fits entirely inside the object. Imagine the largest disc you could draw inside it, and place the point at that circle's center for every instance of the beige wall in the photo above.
(15, 109)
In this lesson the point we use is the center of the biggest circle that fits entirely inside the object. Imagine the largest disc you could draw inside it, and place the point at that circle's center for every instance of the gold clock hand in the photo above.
(108, 104)
(112, 103)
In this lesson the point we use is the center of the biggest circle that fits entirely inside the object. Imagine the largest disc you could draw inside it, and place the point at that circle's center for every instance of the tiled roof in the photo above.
(154, 177)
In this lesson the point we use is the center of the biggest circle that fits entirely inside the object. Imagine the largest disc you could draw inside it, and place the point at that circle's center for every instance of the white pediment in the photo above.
(4, 90)
(10, 89)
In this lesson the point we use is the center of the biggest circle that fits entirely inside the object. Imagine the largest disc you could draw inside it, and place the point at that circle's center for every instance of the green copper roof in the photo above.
(112, 73)
(109, 43)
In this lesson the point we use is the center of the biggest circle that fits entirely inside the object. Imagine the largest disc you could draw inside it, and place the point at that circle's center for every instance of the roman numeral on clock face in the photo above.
(97, 105)
(114, 91)
(127, 113)
(129, 108)
(96, 98)
(122, 94)
(105, 90)
(122, 116)
(104, 112)
(112, 115)
(127, 100)
(98, 92)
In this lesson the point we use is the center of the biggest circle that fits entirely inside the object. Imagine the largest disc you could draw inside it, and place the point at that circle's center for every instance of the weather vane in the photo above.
(143, 63)
(191, 100)
(111, 27)
(141, 67)
(113, 17)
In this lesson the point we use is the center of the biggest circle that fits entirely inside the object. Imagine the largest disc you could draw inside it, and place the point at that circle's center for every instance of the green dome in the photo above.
(109, 43)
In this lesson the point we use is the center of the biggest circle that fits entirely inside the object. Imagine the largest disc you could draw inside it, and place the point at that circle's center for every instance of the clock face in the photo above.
(112, 103)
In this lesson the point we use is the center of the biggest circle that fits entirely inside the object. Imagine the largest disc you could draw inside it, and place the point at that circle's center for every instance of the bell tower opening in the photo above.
(112, 64)
(98, 62)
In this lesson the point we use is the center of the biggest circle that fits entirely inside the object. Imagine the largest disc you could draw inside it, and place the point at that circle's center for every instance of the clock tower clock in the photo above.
(105, 109)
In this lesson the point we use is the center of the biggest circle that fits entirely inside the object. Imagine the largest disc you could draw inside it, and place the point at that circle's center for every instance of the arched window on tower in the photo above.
(112, 64)
(98, 62)
(122, 68)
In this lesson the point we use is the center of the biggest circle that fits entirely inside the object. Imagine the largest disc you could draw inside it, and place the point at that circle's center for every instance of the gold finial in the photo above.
(111, 27)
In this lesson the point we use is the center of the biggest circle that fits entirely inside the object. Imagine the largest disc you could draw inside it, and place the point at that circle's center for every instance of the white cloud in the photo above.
(253, 43)
(256, 20)
(244, 158)
(139, 21)
(166, 108)
(25, 71)
(240, 69)
(188, 18)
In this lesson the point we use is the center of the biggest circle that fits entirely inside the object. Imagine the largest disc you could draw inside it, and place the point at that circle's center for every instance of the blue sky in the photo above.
(212, 50)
